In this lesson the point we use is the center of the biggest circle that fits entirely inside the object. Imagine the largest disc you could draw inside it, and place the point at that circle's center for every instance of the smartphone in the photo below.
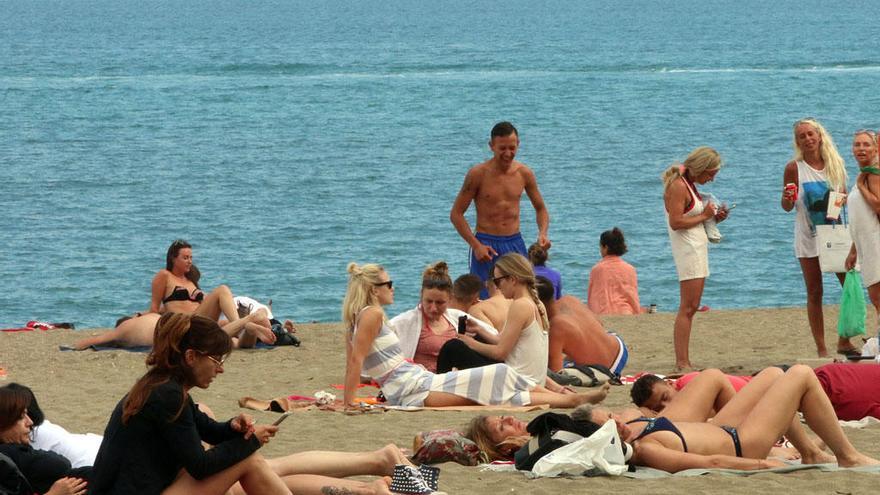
(282, 418)
(462, 324)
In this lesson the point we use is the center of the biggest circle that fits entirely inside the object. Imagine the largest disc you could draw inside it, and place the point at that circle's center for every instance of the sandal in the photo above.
(852, 352)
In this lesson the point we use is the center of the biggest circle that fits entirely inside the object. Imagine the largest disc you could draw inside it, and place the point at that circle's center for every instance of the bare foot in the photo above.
(594, 396)
(290, 326)
(858, 459)
(787, 453)
(818, 457)
(381, 486)
(389, 456)
(259, 331)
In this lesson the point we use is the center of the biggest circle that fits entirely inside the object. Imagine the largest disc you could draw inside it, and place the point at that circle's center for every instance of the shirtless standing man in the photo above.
(496, 186)
(576, 333)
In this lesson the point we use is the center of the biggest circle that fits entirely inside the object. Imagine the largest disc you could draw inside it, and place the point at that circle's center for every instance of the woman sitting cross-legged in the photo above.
(373, 348)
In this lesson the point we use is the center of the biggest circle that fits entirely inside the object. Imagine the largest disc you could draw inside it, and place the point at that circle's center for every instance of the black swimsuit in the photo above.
(658, 424)
(181, 294)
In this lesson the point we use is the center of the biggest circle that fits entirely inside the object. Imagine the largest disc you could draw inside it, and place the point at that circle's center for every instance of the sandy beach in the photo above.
(79, 389)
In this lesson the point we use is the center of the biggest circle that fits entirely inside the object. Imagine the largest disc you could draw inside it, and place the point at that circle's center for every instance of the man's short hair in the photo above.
(546, 292)
(503, 129)
(643, 388)
(466, 286)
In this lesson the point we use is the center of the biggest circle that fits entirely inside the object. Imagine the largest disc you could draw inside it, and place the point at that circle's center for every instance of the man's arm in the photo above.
(542, 216)
(466, 195)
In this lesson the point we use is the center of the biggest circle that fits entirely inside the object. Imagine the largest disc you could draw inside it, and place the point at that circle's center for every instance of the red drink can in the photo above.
(791, 191)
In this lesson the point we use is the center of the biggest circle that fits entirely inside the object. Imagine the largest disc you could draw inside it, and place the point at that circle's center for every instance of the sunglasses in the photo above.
(869, 132)
(497, 280)
(389, 283)
(436, 283)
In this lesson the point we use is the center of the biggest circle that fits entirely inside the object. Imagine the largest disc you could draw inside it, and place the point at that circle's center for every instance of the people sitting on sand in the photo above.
(494, 309)
(43, 471)
(153, 441)
(522, 344)
(374, 349)
(576, 335)
(742, 432)
(853, 389)
(465, 292)
(538, 257)
(613, 288)
(424, 329)
(176, 289)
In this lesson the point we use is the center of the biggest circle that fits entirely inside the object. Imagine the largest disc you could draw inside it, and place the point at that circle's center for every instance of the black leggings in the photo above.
(456, 354)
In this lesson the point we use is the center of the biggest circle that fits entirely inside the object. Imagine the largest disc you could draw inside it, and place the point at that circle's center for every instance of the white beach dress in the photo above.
(864, 227)
(690, 247)
(407, 384)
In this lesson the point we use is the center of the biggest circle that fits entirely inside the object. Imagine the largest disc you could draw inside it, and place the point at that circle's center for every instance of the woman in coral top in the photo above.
(613, 288)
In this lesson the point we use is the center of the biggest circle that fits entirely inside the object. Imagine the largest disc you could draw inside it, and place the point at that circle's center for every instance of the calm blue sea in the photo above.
(286, 138)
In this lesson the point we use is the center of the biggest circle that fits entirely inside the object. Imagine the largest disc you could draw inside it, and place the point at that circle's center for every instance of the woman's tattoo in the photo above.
(336, 490)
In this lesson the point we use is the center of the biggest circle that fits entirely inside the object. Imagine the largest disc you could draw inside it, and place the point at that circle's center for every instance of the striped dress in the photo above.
(407, 384)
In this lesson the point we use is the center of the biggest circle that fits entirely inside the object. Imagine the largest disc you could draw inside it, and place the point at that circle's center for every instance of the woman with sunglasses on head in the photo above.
(685, 215)
(523, 343)
(864, 206)
(816, 170)
(373, 348)
(423, 330)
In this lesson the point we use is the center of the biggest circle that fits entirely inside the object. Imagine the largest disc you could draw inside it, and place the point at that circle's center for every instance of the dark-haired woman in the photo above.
(153, 442)
(613, 288)
(538, 257)
(176, 289)
(44, 472)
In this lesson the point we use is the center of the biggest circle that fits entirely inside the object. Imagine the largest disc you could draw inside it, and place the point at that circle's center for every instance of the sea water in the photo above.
(284, 139)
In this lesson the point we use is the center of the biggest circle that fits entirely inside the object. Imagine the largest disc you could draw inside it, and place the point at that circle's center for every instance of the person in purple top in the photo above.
(538, 256)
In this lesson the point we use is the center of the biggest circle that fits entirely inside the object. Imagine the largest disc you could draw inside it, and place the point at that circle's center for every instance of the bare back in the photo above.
(576, 332)
(493, 310)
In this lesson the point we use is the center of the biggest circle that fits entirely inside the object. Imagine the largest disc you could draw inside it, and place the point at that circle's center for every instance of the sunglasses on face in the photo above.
(389, 283)
(497, 280)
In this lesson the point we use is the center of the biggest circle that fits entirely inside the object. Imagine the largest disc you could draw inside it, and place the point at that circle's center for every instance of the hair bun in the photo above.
(354, 269)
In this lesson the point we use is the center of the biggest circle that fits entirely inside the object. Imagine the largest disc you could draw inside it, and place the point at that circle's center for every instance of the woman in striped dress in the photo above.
(373, 348)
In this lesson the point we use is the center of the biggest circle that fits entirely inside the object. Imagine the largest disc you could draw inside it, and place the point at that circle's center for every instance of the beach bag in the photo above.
(589, 375)
(851, 321)
(602, 453)
(550, 431)
(834, 243)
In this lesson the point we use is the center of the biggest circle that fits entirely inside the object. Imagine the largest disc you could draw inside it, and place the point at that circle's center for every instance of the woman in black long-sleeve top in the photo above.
(152, 443)
(43, 471)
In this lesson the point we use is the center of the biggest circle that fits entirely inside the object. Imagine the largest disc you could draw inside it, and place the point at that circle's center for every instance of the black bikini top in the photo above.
(658, 424)
(180, 293)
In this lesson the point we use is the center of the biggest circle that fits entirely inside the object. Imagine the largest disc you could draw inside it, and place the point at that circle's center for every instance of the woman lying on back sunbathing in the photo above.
(176, 289)
(740, 435)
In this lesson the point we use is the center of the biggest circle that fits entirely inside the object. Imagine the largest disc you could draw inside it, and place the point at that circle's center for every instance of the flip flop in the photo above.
(850, 352)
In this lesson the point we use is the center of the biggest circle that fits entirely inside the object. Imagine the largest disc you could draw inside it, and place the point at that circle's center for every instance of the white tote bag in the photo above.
(834, 243)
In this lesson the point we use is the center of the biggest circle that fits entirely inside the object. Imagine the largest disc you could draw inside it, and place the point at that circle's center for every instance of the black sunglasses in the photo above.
(497, 280)
(389, 283)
